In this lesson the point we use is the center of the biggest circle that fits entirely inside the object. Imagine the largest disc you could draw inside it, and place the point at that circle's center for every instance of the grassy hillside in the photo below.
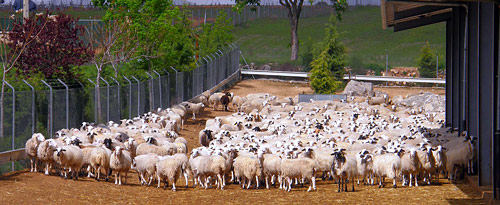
(361, 31)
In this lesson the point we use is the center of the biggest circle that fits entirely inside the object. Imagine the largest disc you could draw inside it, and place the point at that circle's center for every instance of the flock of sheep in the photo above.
(266, 140)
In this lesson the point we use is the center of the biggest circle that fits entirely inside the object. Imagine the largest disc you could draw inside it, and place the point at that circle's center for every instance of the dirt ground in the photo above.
(36, 188)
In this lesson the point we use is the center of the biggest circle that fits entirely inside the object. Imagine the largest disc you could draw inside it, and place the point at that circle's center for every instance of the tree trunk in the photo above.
(1, 105)
(294, 8)
(98, 96)
(294, 24)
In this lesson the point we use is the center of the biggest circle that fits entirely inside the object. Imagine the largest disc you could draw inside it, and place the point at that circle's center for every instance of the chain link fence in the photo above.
(66, 105)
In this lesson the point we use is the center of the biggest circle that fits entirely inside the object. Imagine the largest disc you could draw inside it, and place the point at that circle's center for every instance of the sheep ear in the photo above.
(444, 148)
(63, 150)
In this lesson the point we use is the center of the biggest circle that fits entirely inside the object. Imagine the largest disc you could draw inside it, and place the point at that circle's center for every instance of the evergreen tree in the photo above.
(328, 67)
(427, 62)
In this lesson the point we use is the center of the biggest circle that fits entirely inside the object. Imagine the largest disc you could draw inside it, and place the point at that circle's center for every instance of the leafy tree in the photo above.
(322, 80)
(217, 35)
(427, 62)
(328, 67)
(57, 47)
(163, 31)
(294, 8)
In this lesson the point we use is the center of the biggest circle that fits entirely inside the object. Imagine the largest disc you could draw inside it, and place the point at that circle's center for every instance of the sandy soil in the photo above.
(36, 188)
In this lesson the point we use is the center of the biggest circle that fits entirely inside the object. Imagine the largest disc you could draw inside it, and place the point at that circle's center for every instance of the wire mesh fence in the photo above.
(63, 105)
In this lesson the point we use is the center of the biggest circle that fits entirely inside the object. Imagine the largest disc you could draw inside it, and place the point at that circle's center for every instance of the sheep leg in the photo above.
(430, 179)
(353, 184)
(249, 183)
(119, 178)
(416, 181)
(339, 185)
(267, 182)
(345, 183)
(411, 179)
(394, 182)
(173, 185)
(186, 177)
(403, 183)
(116, 178)
(159, 181)
(221, 181)
(47, 169)
(257, 179)
(194, 116)
(313, 181)
(125, 182)
(31, 164)
(289, 184)
(379, 182)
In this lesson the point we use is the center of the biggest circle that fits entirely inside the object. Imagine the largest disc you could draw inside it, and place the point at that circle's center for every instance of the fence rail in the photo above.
(64, 105)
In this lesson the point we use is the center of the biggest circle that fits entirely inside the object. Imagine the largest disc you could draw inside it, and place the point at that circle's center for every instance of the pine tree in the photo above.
(328, 67)
(426, 62)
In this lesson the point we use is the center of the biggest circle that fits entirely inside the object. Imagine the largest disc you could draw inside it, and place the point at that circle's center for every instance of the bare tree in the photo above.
(10, 53)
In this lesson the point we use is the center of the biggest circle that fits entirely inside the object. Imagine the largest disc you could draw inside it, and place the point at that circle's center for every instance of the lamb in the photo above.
(69, 156)
(247, 168)
(45, 154)
(119, 162)
(145, 165)
(345, 167)
(215, 99)
(302, 168)
(194, 108)
(410, 165)
(31, 148)
(225, 100)
(170, 168)
(205, 136)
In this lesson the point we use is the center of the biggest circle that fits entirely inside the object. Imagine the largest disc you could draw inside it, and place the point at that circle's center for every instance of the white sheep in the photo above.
(271, 168)
(194, 108)
(410, 165)
(100, 159)
(71, 157)
(145, 165)
(302, 168)
(170, 168)
(345, 168)
(119, 162)
(31, 148)
(45, 154)
(209, 166)
(386, 165)
(246, 169)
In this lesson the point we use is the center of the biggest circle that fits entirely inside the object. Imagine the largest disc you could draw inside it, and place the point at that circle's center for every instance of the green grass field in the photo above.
(265, 41)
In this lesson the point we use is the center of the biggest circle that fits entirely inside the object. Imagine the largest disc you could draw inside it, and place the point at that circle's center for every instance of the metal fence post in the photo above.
(129, 97)
(119, 99)
(95, 100)
(159, 88)
(176, 80)
(67, 102)
(33, 124)
(152, 91)
(13, 118)
(107, 99)
(49, 120)
(138, 95)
